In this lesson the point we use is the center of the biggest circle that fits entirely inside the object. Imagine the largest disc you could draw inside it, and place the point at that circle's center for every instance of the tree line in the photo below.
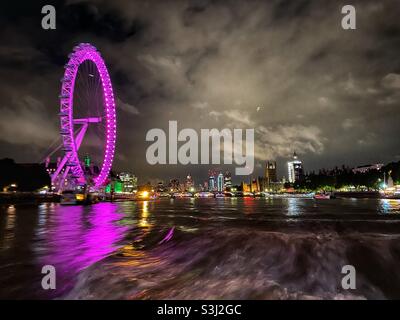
(342, 177)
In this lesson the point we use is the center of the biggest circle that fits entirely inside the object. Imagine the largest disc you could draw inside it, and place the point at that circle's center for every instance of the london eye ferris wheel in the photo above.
(87, 119)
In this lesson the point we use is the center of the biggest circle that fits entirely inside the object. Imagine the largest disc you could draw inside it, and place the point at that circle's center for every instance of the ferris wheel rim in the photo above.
(82, 53)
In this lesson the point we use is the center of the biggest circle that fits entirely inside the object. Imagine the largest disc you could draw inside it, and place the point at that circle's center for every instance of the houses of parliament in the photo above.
(269, 182)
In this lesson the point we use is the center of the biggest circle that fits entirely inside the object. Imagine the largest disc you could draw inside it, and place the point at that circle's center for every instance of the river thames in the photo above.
(232, 248)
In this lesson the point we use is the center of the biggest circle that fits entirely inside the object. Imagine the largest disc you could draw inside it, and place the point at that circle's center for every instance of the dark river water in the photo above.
(202, 249)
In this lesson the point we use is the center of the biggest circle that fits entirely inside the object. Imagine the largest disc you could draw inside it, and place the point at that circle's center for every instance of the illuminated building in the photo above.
(270, 182)
(220, 182)
(227, 180)
(255, 185)
(252, 186)
(295, 169)
(189, 185)
(211, 183)
(245, 187)
(270, 173)
(51, 168)
(129, 181)
(87, 161)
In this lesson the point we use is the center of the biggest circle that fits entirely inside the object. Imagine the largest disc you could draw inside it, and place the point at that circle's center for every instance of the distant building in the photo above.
(211, 183)
(220, 182)
(89, 168)
(189, 185)
(160, 187)
(368, 167)
(270, 182)
(227, 180)
(253, 185)
(174, 185)
(87, 161)
(270, 175)
(295, 169)
(256, 184)
(51, 167)
(129, 181)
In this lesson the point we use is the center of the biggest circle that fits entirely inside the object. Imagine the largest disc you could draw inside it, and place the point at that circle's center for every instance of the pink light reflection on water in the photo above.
(80, 237)
(168, 236)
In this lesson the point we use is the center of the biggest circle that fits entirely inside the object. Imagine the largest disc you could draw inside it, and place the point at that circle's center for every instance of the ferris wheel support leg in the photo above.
(78, 142)
(80, 135)
(59, 168)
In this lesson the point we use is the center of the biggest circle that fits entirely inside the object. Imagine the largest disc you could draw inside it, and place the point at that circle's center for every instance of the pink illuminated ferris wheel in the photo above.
(87, 112)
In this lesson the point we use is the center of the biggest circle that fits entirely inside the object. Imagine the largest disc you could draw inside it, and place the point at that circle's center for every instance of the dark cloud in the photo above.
(285, 68)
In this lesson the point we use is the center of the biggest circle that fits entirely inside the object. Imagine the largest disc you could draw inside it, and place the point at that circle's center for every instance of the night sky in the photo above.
(285, 68)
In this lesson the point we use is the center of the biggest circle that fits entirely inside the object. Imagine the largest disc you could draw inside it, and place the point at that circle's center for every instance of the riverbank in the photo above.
(34, 198)
(358, 194)
(27, 198)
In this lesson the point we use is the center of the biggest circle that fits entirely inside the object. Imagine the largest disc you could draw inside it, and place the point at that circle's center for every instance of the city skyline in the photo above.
(334, 102)
(270, 176)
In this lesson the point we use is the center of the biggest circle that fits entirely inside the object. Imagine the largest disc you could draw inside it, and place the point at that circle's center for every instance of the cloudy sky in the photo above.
(283, 67)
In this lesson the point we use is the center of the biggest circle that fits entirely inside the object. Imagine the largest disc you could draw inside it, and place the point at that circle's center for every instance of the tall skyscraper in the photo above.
(212, 180)
(211, 183)
(220, 182)
(295, 169)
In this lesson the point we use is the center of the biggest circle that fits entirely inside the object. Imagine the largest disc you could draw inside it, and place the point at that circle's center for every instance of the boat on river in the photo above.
(289, 195)
(76, 197)
(322, 196)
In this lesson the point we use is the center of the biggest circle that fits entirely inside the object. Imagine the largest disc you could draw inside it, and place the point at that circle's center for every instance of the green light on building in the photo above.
(108, 188)
(118, 187)
(87, 161)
